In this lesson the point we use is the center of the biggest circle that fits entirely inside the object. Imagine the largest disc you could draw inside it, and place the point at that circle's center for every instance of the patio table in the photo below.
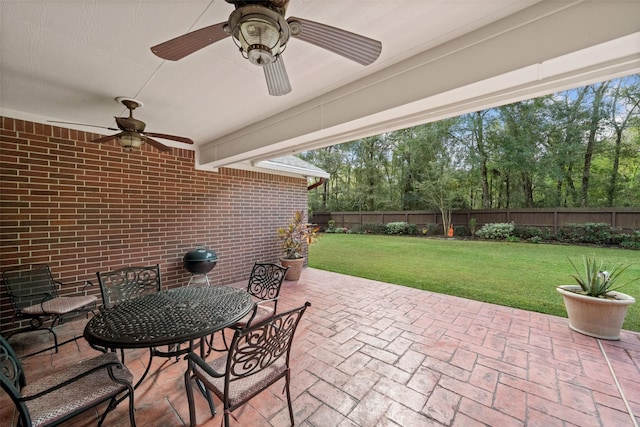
(170, 318)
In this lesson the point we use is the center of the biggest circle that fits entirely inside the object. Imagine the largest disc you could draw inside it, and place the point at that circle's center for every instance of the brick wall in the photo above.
(83, 207)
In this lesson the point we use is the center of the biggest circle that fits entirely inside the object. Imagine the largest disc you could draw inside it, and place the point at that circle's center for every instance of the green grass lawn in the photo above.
(521, 275)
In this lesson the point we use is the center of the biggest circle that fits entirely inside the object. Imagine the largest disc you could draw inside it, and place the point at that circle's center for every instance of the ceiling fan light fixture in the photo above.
(260, 33)
(260, 40)
(130, 141)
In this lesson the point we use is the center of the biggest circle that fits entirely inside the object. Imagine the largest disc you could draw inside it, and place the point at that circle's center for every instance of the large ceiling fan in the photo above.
(261, 32)
(132, 133)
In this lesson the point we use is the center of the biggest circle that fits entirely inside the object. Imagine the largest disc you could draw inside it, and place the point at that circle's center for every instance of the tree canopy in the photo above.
(579, 147)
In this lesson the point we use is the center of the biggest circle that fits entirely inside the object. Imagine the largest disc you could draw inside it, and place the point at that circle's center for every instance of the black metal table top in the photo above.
(169, 317)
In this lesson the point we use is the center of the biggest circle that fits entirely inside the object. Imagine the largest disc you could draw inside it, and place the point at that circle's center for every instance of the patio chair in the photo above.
(132, 282)
(264, 286)
(258, 357)
(34, 296)
(67, 391)
(128, 282)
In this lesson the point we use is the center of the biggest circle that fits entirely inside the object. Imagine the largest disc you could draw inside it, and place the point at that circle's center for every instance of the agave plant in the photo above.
(594, 279)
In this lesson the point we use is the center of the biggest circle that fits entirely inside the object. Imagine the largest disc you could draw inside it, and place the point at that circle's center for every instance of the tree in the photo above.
(598, 110)
(625, 106)
(579, 147)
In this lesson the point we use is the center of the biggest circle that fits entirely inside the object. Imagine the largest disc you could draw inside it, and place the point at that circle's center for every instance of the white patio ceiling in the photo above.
(68, 60)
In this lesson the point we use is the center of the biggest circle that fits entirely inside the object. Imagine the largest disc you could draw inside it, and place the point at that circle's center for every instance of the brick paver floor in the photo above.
(370, 354)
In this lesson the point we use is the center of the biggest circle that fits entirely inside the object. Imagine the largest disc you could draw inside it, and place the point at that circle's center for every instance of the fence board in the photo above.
(627, 219)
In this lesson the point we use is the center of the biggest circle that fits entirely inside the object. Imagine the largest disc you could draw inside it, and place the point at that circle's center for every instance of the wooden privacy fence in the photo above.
(627, 219)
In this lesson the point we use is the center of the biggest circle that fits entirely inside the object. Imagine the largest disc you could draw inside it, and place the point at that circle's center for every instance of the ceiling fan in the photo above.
(261, 32)
(132, 133)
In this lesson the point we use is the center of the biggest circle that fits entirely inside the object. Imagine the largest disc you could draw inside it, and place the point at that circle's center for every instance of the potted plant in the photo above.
(292, 240)
(594, 306)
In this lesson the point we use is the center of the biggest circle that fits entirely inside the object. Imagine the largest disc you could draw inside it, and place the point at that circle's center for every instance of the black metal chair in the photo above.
(258, 357)
(66, 392)
(131, 282)
(34, 296)
(264, 286)
(128, 282)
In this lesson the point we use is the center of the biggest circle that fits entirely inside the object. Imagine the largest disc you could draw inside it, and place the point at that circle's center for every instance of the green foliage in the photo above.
(595, 279)
(527, 233)
(630, 241)
(400, 228)
(435, 230)
(473, 223)
(533, 153)
(496, 231)
(295, 235)
(373, 228)
(593, 233)
(460, 230)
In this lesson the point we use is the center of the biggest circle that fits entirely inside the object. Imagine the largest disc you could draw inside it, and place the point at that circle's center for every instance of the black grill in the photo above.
(200, 261)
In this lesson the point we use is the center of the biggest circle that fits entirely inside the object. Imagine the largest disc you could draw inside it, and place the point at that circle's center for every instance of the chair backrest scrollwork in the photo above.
(265, 280)
(261, 345)
(128, 282)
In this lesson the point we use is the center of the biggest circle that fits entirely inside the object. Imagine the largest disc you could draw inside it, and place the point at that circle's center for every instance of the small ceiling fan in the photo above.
(261, 32)
(132, 133)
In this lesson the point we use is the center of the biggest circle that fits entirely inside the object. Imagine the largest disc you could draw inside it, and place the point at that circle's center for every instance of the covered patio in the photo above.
(369, 353)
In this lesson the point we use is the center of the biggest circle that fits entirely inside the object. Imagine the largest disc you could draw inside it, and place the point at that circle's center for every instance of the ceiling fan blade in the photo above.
(277, 79)
(171, 137)
(189, 43)
(107, 138)
(160, 146)
(355, 47)
(81, 124)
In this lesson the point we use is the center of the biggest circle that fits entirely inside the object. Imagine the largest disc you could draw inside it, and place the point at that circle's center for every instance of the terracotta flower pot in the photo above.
(295, 267)
(596, 317)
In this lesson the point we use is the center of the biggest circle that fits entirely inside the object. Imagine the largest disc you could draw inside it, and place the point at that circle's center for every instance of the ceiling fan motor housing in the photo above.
(261, 33)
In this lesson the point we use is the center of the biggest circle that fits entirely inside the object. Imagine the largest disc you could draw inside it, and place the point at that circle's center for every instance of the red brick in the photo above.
(131, 208)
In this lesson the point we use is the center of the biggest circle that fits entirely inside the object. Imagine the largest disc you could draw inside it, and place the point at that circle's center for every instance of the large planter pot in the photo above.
(295, 267)
(595, 317)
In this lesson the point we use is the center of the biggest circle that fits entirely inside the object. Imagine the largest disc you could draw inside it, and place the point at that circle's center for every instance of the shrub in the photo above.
(435, 229)
(496, 231)
(372, 228)
(526, 233)
(460, 230)
(473, 223)
(534, 239)
(400, 228)
(630, 241)
(594, 233)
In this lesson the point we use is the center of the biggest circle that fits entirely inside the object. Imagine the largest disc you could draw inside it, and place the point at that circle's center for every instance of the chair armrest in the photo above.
(193, 358)
(68, 376)
(87, 283)
(83, 289)
(254, 311)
